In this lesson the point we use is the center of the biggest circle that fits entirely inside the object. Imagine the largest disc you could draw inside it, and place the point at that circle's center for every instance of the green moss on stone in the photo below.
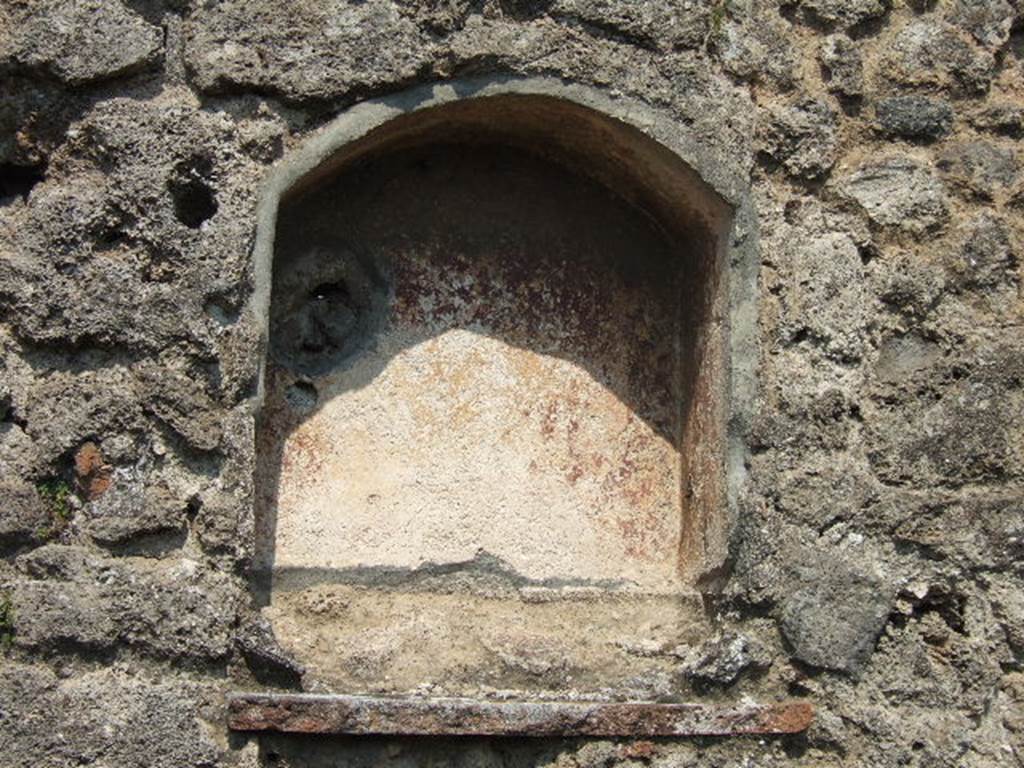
(56, 494)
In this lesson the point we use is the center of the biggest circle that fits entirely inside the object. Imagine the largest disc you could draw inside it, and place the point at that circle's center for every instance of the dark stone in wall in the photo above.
(987, 257)
(833, 619)
(914, 117)
(844, 13)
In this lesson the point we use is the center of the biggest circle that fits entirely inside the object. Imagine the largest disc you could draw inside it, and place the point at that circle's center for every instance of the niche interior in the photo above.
(494, 402)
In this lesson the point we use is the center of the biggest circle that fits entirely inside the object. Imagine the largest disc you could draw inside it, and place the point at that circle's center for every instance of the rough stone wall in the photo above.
(877, 563)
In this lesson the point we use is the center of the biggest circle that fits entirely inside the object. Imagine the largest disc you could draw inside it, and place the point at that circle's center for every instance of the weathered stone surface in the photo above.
(65, 410)
(979, 168)
(826, 488)
(662, 25)
(956, 652)
(825, 293)
(931, 52)
(23, 514)
(722, 659)
(755, 44)
(184, 405)
(99, 263)
(1008, 607)
(833, 620)
(18, 450)
(1006, 119)
(914, 117)
(961, 438)
(219, 517)
(843, 66)
(817, 421)
(801, 137)
(169, 609)
(898, 193)
(105, 717)
(909, 286)
(973, 530)
(33, 118)
(77, 41)
(985, 255)
(906, 363)
(134, 505)
(844, 13)
(989, 21)
(438, 16)
(304, 50)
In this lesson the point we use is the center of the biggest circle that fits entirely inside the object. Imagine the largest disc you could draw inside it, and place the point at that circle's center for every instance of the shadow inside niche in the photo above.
(486, 303)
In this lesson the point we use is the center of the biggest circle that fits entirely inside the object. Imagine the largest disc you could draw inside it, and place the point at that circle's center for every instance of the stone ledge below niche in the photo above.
(422, 716)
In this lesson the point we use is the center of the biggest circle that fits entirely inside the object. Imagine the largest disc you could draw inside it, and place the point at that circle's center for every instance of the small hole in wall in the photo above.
(193, 505)
(18, 180)
(194, 199)
(868, 252)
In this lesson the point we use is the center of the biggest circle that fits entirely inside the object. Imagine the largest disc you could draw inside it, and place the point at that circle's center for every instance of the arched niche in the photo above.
(500, 371)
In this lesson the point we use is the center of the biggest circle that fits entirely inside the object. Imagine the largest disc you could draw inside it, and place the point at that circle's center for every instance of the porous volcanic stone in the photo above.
(844, 13)
(801, 137)
(722, 659)
(77, 41)
(979, 168)
(104, 717)
(843, 65)
(23, 513)
(931, 52)
(898, 193)
(170, 609)
(303, 51)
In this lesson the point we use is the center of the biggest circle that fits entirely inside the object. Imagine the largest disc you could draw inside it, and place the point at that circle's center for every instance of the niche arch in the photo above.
(577, 259)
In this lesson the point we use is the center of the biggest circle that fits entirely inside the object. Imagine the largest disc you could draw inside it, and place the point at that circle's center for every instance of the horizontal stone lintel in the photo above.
(419, 716)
